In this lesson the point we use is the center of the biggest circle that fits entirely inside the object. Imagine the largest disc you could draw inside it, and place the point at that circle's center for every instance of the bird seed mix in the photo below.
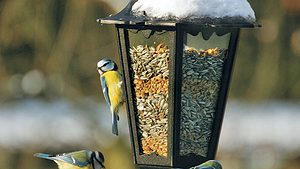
(151, 80)
(202, 72)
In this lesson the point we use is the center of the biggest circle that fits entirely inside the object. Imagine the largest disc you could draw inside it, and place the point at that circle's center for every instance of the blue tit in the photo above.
(83, 159)
(210, 164)
(111, 82)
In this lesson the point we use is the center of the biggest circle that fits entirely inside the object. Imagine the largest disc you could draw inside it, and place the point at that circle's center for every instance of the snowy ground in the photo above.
(56, 123)
(257, 124)
(59, 122)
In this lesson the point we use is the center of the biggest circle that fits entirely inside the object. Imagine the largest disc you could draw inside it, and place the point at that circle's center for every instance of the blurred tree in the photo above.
(266, 67)
(59, 38)
(62, 41)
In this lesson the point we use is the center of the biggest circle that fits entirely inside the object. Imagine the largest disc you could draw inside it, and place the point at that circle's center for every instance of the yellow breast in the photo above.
(114, 84)
(64, 165)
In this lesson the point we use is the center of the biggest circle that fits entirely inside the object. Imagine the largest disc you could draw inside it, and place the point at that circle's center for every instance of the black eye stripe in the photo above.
(105, 64)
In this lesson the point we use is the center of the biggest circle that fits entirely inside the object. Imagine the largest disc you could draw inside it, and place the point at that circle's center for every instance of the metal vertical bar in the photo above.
(177, 93)
(171, 101)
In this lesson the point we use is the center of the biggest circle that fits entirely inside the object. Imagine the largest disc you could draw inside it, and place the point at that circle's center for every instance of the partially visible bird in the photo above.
(210, 164)
(111, 82)
(84, 159)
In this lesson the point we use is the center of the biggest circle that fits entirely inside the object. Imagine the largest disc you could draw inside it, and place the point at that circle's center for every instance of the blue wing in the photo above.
(105, 89)
(63, 157)
(70, 159)
(45, 156)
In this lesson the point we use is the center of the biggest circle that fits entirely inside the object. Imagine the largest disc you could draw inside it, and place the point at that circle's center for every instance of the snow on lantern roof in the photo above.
(214, 13)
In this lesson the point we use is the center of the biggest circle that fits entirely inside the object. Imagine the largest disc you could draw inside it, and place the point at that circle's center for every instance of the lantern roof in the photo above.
(140, 17)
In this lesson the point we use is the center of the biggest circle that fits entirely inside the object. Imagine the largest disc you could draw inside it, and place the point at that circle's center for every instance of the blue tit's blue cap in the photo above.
(104, 62)
(107, 65)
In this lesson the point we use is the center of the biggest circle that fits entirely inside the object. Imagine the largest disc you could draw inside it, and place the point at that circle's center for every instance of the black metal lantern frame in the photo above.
(173, 145)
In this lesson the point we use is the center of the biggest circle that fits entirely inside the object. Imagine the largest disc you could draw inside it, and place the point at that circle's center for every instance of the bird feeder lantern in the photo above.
(177, 75)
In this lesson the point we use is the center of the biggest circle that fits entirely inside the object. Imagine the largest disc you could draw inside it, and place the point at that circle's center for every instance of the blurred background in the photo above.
(50, 97)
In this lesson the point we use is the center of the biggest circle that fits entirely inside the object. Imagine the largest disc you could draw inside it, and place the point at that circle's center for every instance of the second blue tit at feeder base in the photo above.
(210, 164)
(111, 82)
(84, 159)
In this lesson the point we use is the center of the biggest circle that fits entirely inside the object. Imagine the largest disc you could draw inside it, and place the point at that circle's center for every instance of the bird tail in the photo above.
(43, 155)
(115, 119)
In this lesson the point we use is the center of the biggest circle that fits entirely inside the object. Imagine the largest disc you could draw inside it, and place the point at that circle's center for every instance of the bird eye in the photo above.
(105, 64)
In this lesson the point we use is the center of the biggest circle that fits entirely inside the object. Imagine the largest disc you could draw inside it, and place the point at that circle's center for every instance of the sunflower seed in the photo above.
(202, 72)
(150, 76)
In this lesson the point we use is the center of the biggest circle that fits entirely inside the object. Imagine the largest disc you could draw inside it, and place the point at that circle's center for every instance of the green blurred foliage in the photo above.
(54, 45)
(60, 39)
(267, 59)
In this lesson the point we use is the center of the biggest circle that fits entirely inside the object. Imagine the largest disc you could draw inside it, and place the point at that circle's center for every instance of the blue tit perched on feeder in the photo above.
(111, 82)
(83, 159)
(210, 164)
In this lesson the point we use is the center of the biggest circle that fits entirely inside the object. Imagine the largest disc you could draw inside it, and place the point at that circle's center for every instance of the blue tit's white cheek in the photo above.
(99, 64)
(100, 72)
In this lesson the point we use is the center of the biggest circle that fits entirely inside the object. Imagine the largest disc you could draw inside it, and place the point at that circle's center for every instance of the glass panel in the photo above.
(150, 75)
(202, 68)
